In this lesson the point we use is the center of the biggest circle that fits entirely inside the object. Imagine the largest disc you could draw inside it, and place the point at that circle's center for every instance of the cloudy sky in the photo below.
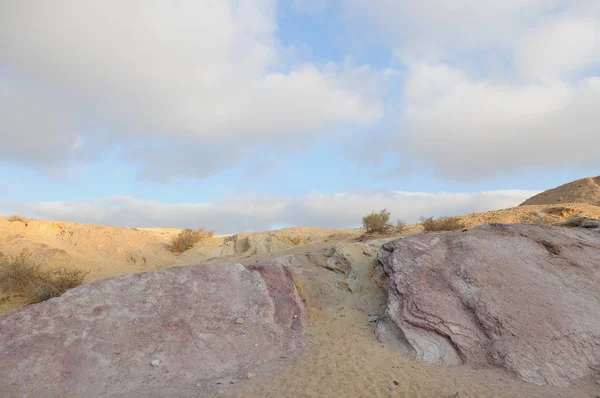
(244, 115)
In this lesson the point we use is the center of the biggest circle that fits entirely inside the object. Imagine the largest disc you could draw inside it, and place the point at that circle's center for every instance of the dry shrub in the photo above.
(377, 222)
(17, 218)
(57, 282)
(400, 225)
(21, 274)
(441, 224)
(16, 273)
(187, 238)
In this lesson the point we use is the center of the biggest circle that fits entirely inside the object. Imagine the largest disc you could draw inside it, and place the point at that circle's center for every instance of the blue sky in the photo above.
(247, 115)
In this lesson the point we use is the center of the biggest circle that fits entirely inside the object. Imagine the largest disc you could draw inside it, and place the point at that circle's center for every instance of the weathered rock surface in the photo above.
(338, 260)
(580, 222)
(252, 243)
(524, 298)
(172, 332)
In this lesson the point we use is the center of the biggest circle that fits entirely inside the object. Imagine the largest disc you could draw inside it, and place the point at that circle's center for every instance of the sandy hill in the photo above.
(108, 251)
(586, 190)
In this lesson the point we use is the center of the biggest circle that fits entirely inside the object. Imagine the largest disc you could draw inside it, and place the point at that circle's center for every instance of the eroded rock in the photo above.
(161, 333)
(339, 260)
(520, 297)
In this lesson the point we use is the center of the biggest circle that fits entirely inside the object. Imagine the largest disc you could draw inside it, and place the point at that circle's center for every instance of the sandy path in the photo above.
(347, 361)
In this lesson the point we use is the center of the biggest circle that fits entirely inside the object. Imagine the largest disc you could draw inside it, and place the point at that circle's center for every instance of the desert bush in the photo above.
(441, 224)
(377, 222)
(17, 218)
(400, 225)
(187, 238)
(21, 274)
(56, 283)
(16, 273)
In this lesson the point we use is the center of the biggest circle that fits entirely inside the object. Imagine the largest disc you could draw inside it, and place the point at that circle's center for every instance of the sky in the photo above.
(245, 115)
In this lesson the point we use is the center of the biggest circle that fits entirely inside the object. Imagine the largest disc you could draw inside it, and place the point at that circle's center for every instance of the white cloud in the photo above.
(262, 213)
(467, 129)
(558, 48)
(441, 27)
(492, 86)
(33, 129)
(438, 29)
(188, 71)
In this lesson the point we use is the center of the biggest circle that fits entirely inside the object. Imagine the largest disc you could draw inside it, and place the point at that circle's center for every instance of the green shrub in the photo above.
(377, 222)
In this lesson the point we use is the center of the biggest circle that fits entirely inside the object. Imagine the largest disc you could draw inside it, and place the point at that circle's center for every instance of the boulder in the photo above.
(580, 222)
(521, 297)
(182, 331)
(591, 224)
(339, 260)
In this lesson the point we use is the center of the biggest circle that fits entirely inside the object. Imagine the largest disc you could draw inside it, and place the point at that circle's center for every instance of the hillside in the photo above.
(586, 190)
(108, 251)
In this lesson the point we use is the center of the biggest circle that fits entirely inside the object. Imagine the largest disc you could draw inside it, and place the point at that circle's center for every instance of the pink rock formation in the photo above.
(524, 298)
(183, 331)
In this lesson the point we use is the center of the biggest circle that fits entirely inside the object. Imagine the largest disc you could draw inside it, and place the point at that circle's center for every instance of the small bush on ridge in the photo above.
(17, 218)
(400, 225)
(187, 238)
(377, 222)
(441, 224)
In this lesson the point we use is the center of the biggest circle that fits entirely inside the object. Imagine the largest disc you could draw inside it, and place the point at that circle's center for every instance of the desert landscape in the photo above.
(299, 198)
(505, 304)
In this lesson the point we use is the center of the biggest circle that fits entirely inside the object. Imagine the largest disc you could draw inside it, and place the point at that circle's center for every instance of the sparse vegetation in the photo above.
(400, 225)
(187, 238)
(377, 222)
(22, 275)
(17, 218)
(441, 224)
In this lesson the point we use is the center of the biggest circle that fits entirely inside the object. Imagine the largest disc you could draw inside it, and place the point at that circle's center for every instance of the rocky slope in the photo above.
(340, 356)
(533, 214)
(183, 331)
(585, 190)
(524, 298)
(107, 251)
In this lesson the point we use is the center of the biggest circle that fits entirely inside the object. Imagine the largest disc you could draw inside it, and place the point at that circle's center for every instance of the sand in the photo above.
(346, 360)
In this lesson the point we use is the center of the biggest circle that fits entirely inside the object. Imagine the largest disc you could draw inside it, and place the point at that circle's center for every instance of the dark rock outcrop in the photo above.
(524, 298)
(183, 331)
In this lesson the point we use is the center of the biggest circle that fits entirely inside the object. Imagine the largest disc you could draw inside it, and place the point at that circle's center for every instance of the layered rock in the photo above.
(183, 331)
(524, 298)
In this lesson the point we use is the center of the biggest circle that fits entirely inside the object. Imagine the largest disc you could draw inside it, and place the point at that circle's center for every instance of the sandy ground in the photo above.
(344, 358)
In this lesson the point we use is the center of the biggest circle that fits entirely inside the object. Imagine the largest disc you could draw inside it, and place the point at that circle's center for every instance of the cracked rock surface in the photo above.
(520, 297)
(182, 331)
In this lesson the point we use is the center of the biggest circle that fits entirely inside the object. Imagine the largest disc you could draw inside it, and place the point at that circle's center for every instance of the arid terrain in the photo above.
(586, 190)
(343, 357)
